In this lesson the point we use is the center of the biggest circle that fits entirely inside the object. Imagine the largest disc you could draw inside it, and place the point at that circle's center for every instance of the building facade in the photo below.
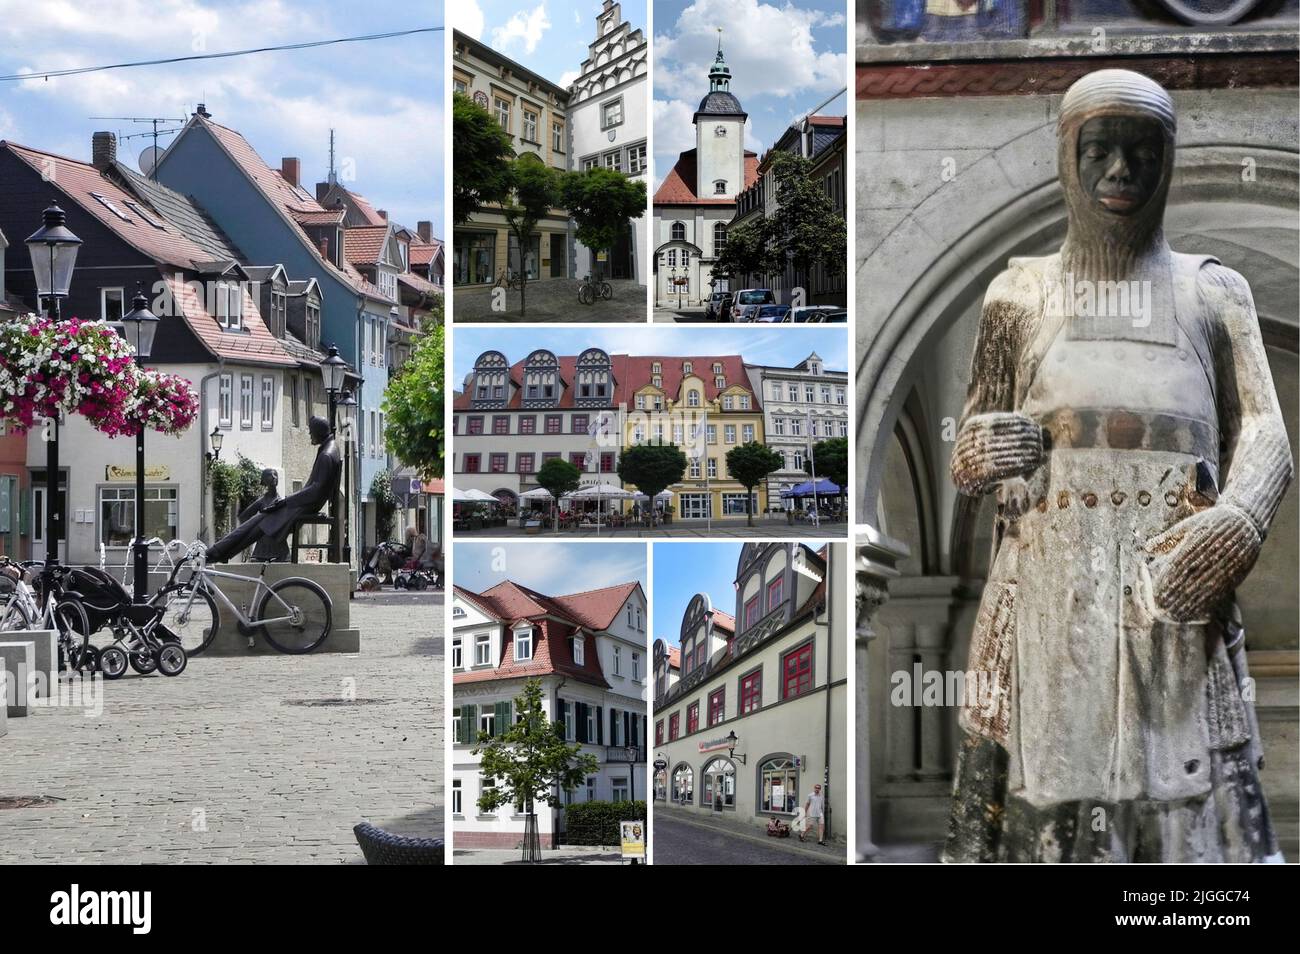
(695, 203)
(609, 123)
(589, 651)
(750, 710)
(535, 113)
(801, 406)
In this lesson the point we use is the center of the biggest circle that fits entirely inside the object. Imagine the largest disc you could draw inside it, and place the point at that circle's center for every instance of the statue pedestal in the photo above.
(334, 578)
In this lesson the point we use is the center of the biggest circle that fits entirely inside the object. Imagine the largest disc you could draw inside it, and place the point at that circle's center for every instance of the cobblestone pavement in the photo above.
(553, 299)
(225, 763)
(679, 841)
(696, 528)
(571, 855)
(669, 315)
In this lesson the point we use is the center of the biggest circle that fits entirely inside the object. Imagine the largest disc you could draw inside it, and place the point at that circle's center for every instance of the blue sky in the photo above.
(778, 346)
(785, 60)
(555, 569)
(550, 37)
(684, 569)
(383, 98)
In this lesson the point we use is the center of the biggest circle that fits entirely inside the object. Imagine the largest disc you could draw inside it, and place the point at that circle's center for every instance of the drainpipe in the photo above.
(203, 436)
(830, 662)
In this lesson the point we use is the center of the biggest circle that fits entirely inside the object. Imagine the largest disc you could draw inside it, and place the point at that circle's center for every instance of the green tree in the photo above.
(744, 253)
(385, 501)
(805, 230)
(413, 410)
(536, 191)
(831, 459)
(750, 464)
(530, 762)
(481, 154)
(652, 468)
(601, 201)
(559, 477)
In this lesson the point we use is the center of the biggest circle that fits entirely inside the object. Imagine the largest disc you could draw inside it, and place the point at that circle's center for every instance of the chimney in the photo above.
(383, 214)
(290, 167)
(203, 111)
(425, 229)
(322, 190)
(325, 248)
(103, 150)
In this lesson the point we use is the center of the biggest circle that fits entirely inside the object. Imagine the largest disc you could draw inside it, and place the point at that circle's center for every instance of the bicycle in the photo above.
(508, 280)
(65, 615)
(165, 562)
(304, 612)
(589, 291)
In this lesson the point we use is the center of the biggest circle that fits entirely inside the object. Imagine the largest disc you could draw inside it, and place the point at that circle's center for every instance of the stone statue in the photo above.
(1121, 408)
(267, 549)
(270, 523)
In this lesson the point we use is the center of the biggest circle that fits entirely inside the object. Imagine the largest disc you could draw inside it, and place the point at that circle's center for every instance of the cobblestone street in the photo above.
(554, 299)
(681, 841)
(258, 759)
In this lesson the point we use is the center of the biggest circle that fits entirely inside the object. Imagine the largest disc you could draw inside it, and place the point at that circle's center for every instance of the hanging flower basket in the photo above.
(164, 402)
(68, 367)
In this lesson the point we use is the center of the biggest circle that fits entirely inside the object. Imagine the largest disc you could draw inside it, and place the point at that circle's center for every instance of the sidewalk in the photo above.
(551, 299)
(564, 855)
(835, 851)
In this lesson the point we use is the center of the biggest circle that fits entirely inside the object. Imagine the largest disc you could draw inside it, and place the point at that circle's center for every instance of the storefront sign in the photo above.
(154, 472)
(715, 745)
(660, 765)
(632, 838)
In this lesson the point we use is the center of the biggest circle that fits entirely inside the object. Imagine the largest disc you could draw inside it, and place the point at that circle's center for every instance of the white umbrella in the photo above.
(479, 496)
(537, 493)
(601, 491)
(459, 496)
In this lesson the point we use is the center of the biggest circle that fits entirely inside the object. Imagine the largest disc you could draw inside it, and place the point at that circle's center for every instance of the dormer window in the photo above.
(687, 367)
(523, 644)
(579, 651)
(720, 187)
(692, 398)
(483, 649)
(719, 382)
(657, 381)
(717, 367)
(230, 306)
(656, 368)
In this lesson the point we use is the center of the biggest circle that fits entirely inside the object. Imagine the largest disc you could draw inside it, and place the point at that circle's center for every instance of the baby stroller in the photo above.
(381, 565)
(140, 639)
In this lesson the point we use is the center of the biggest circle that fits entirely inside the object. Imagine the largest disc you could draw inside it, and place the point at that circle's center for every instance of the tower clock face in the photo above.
(719, 130)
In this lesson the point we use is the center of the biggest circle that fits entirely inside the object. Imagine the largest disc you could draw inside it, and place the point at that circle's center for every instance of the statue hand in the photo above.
(1201, 559)
(273, 505)
(994, 447)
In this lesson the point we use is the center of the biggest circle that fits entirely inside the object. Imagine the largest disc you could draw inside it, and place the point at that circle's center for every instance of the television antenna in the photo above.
(156, 122)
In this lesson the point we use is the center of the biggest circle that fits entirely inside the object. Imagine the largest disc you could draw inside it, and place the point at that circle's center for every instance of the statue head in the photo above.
(320, 429)
(1115, 158)
(270, 479)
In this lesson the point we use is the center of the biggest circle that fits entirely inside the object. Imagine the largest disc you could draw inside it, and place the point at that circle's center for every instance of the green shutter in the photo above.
(502, 717)
(469, 721)
(580, 717)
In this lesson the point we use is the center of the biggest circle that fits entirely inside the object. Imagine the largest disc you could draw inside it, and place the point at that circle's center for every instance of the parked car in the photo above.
(806, 313)
(714, 306)
(748, 299)
(836, 317)
(771, 314)
(725, 308)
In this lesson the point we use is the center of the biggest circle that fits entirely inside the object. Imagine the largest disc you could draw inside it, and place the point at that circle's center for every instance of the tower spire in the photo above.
(719, 74)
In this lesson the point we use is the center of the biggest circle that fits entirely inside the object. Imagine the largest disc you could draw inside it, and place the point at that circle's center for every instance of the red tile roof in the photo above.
(568, 366)
(365, 245)
(366, 210)
(422, 253)
(674, 657)
(678, 187)
(255, 344)
(310, 217)
(724, 621)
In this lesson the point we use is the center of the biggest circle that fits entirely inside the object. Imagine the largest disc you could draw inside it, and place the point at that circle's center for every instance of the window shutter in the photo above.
(629, 720)
(580, 717)
(600, 725)
(502, 715)
(613, 722)
(469, 721)
(562, 708)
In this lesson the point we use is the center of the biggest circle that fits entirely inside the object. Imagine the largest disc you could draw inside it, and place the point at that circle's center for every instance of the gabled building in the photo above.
(774, 674)
(211, 331)
(590, 652)
(270, 215)
(697, 199)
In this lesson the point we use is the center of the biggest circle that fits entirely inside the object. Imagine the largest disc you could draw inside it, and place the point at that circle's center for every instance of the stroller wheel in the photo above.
(418, 582)
(172, 659)
(85, 659)
(144, 661)
(112, 662)
(368, 583)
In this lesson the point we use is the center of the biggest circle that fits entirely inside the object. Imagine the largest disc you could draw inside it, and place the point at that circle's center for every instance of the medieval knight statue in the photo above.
(1138, 455)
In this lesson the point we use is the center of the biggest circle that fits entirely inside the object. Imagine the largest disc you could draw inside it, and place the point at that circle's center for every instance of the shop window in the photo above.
(778, 785)
(684, 785)
(718, 789)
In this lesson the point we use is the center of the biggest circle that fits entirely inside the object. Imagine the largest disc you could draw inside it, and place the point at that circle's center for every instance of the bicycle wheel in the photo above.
(606, 291)
(17, 616)
(194, 622)
(585, 295)
(294, 615)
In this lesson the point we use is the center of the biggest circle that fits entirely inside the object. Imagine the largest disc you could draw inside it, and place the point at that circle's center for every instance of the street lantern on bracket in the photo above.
(732, 742)
(140, 324)
(53, 250)
(215, 440)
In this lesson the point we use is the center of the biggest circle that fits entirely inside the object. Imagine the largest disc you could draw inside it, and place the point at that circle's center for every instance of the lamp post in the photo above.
(348, 404)
(333, 369)
(53, 250)
(140, 325)
(215, 440)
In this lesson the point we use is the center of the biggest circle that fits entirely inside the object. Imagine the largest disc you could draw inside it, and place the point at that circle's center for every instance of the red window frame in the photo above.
(607, 462)
(659, 732)
(797, 671)
(751, 691)
(472, 463)
(528, 424)
(500, 424)
(578, 423)
(775, 592)
(674, 726)
(554, 423)
(578, 459)
(751, 611)
(693, 718)
(717, 705)
(498, 463)
(474, 425)
(524, 463)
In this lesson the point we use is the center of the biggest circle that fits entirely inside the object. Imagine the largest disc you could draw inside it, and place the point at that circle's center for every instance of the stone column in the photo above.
(875, 565)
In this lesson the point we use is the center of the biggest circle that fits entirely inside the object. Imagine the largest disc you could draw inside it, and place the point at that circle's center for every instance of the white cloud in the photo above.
(773, 53)
(525, 28)
(568, 76)
(467, 17)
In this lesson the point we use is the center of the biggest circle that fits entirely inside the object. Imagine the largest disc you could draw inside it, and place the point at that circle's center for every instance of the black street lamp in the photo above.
(53, 250)
(140, 325)
(210, 457)
(348, 405)
(215, 440)
(333, 369)
(732, 741)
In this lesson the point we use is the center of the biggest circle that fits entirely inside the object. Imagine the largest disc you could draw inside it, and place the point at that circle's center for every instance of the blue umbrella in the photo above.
(824, 488)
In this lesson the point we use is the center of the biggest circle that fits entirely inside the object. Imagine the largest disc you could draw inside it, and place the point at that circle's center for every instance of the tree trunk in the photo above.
(749, 506)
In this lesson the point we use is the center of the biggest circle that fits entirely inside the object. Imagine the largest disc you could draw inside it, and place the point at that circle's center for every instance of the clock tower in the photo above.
(719, 137)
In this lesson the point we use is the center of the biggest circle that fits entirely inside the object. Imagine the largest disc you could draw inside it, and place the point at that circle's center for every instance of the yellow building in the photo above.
(534, 111)
(706, 406)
